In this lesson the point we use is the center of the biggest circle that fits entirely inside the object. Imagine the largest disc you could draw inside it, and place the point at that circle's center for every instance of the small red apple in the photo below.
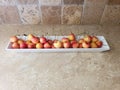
(47, 45)
(66, 45)
(87, 38)
(43, 40)
(30, 36)
(73, 41)
(28, 41)
(99, 43)
(13, 39)
(85, 45)
(75, 45)
(39, 45)
(15, 45)
(50, 41)
(23, 45)
(93, 45)
(58, 44)
(94, 39)
(81, 40)
(31, 45)
(65, 40)
(71, 37)
(20, 41)
(35, 40)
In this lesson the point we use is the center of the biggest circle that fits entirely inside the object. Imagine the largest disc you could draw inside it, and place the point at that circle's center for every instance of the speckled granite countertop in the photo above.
(60, 71)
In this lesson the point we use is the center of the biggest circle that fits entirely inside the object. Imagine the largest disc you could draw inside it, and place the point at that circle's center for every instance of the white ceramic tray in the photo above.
(105, 46)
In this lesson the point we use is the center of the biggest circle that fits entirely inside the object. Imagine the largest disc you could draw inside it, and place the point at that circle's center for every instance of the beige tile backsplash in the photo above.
(72, 14)
(29, 14)
(9, 15)
(51, 14)
(92, 13)
(60, 12)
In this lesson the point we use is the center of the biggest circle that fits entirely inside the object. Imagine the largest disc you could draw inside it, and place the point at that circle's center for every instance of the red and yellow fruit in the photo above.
(66, 45)
(86, 45)
(35, 40)
(57, 44)
(75, 45)
(43, 40)
(47, 45)
(23, 45)
(71, 37)
(13, 39)
(87, 38)
(66, 42)
(15, 45)
(93, 45)
(39, 45)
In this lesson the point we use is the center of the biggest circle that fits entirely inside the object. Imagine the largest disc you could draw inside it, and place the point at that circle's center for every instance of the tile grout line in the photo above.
(40, 11)
(82, 15)
(62, 11)
(102, 15)
(103, 11)
(18, 12)
(20, 15)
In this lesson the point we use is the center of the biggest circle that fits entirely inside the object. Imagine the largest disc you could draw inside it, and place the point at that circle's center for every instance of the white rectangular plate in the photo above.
(105, 46)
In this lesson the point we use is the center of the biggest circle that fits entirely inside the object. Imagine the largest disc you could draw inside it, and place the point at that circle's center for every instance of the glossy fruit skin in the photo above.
(20, 41)
(15, 45)
(39, 45)
(13, 39)
(30, 36)
(65, 40)
(85, 45)
(31, 45)
(73, 41)
(93, 45)
(43, 40)
(35, 40)
(81, 41)
(87, 38)
(75, 45)
(50, 41)
(71, 37)
(94, 39)
(28, 42)
(47, 45)
(66, 45)
(57, 44)
(99, 44)
(23, 45)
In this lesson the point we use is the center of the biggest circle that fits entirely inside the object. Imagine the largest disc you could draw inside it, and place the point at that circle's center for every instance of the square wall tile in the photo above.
(92, 14)
(73, 1)
(114, 2)
(27, 1)
(94, 2)
(72, 14)
(9, 15)
(51, 14)
(29, 14)
(51, 2)
(111, 15)
(7, 2)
